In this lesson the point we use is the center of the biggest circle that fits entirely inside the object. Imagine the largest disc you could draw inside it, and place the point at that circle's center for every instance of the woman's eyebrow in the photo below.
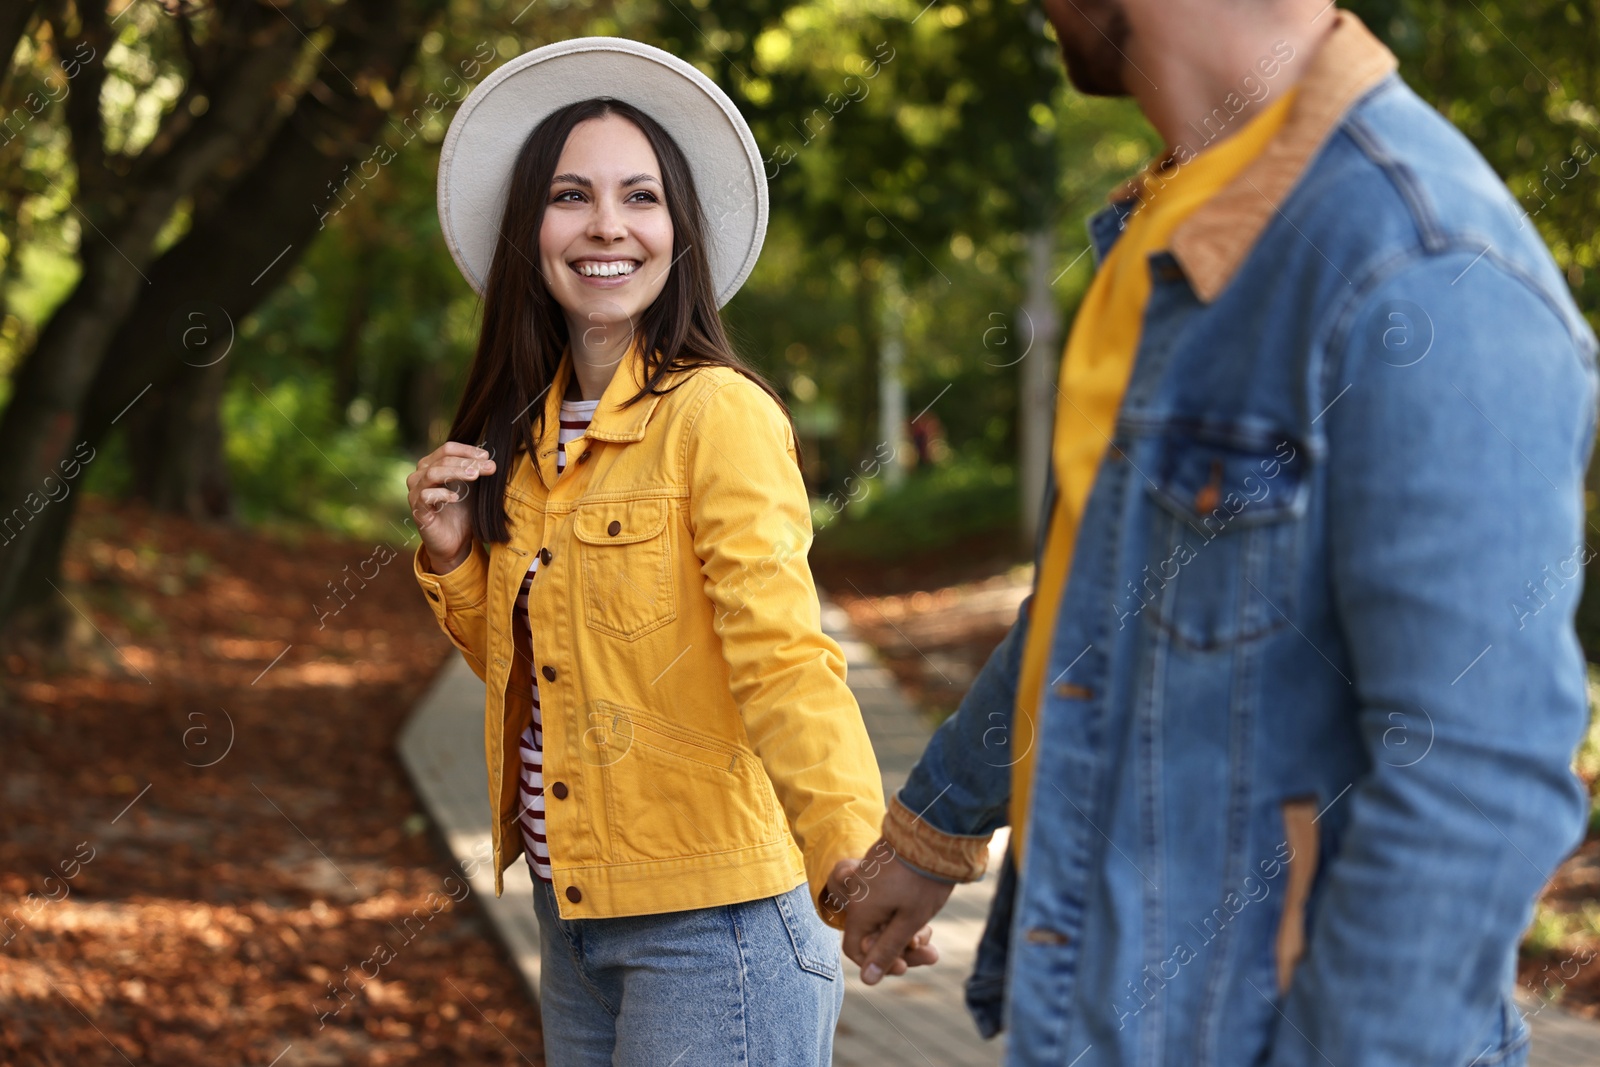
(572, 179)
(639, 179)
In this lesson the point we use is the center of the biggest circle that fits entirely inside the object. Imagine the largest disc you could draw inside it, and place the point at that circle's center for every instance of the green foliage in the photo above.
(932, 508)
(1523, 83)
(295, 456)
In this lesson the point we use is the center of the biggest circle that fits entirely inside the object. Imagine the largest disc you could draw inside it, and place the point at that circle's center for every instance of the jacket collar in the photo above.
(1211, 244)
(611, 421)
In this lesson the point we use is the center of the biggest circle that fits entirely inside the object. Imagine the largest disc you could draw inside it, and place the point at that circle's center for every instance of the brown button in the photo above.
(1210, 494)
(549, 673)
(1041, 936)
(433, 596)
(574, 894)
(544, 556)
(615, 528)
(559, 790)
(1074, 692)
(584, 458)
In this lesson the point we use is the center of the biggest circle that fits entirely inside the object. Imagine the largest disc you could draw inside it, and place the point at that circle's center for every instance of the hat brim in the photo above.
(488, 132)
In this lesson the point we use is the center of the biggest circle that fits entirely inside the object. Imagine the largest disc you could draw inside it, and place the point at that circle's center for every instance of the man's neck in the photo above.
(1201, 72)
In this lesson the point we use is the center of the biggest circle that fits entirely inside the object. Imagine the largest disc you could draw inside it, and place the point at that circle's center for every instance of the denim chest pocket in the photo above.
(1224, 548)
(625, 549)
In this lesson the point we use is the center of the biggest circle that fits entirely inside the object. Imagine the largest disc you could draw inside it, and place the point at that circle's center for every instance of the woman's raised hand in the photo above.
(438, 491)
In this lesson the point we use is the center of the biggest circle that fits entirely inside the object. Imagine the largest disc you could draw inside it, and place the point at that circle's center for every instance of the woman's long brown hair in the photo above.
(524, 329)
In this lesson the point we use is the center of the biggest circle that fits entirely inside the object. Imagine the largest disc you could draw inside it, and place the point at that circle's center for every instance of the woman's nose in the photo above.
(605, 222)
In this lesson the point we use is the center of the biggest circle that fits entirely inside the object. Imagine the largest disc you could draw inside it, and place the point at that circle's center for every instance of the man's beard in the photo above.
(1094, 57)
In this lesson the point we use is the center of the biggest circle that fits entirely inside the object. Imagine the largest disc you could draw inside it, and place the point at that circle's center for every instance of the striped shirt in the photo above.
(575, 416)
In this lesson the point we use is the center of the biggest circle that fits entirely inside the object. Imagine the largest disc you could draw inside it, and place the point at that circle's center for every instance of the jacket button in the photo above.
(615, 528)
(544, 556)
(574, 894)
(549, 673)
(559, 790)
(1039, 935)
(1074, 692)
(584, 458)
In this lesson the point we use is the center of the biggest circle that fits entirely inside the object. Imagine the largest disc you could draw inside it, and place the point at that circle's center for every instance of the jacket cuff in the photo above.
(957, 857)
(465, 587)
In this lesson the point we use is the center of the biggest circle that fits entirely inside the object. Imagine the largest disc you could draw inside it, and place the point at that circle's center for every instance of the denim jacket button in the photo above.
(1039, 935)
(559, 790)
(574, 894)
(544, 556)
(615, 528)
(1073, 692)
(584, 458)
(549, 673)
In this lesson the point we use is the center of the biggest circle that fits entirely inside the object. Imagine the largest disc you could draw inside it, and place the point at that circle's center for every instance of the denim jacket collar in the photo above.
(1212, 243)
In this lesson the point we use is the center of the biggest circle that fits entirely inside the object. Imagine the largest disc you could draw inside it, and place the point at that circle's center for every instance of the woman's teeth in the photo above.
(606, 270)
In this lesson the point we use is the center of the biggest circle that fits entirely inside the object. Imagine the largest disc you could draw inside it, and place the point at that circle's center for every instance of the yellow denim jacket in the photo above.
(700, 745)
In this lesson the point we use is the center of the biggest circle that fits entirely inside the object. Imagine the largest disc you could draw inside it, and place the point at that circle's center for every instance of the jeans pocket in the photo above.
(816, 945)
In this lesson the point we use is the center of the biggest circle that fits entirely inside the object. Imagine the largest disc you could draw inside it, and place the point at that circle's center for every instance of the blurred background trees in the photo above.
(221, 276)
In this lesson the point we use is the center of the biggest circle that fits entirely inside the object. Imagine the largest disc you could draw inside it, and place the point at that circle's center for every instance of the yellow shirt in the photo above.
(1094, 374)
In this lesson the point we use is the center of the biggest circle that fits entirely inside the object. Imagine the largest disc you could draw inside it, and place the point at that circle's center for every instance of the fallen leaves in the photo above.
(278, 905)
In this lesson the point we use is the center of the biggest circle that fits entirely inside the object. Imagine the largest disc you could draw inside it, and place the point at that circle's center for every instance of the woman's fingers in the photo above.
(441, 484)
(434, 499)
(450, 456)
(453, 471)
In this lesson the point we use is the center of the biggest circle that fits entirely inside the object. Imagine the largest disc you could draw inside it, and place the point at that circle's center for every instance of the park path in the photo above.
(918, 1019)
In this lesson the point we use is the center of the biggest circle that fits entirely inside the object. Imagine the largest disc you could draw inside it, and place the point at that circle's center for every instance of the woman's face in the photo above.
(605, 245)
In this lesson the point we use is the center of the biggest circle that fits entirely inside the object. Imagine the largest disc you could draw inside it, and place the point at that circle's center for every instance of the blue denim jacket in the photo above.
(1303, 758)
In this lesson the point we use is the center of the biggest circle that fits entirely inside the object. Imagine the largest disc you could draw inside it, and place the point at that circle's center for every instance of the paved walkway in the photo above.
(918, 1019)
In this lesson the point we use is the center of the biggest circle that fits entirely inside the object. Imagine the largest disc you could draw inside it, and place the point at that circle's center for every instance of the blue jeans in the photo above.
(751, 983)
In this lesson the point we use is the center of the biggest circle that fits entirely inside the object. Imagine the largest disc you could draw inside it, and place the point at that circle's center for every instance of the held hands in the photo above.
(886, 907)
(437, 491)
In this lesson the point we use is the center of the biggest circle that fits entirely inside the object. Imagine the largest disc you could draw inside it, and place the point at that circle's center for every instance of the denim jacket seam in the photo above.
(1424, 213)
(1438, 238)
(1462, 241)
(1345, 313)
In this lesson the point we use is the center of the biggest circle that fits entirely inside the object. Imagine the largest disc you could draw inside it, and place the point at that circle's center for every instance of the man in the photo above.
(1283, 732)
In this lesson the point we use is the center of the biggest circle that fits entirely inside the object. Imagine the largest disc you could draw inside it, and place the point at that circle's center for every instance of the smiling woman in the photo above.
(606, 239)
(705, 766)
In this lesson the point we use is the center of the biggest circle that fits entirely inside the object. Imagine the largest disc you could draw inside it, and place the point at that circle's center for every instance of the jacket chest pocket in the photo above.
(1224, 547)
(625, 550)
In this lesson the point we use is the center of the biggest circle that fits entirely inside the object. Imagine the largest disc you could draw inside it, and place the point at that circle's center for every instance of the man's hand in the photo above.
(886, 912)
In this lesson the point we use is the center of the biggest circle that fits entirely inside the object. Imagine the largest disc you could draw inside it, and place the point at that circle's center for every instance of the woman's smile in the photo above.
(605, 272)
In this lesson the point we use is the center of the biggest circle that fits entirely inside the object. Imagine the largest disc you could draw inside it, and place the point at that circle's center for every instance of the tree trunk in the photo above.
(68, 391)
(175, 445)
(891, 387)
(1037, 326)
(40, 427)
(14, 18)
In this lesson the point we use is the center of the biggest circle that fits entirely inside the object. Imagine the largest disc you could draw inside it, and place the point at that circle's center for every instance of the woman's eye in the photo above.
(648, 198)
(562, 197)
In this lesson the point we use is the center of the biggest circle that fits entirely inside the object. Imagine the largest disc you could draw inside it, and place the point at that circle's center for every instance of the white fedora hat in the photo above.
(488, 132)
